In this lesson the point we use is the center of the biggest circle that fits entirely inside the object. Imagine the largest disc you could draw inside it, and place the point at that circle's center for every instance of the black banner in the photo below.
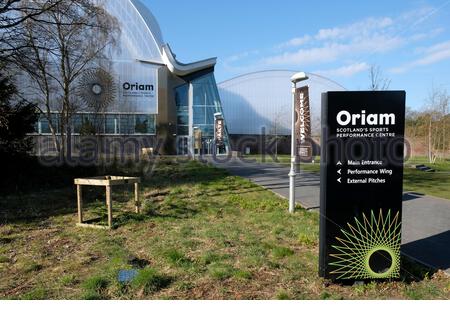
(220, 132)
(361, 184)
(303, 124)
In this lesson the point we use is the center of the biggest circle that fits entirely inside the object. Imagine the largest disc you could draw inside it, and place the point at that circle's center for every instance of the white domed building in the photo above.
(260, 103)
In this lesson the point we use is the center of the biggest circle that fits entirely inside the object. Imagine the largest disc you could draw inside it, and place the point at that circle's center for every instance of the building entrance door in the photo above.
(183, 145)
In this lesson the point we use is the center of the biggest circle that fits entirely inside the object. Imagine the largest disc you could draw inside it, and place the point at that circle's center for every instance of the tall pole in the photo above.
(191, 149)
(293, 173)
(298, 77)
(276, 139)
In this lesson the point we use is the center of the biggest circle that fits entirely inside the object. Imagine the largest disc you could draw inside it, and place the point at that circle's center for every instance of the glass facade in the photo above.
(182, 104)
(111, 124)
(205, 104)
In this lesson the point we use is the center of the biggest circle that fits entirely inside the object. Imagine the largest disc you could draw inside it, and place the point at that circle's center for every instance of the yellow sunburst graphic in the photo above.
(369, 249)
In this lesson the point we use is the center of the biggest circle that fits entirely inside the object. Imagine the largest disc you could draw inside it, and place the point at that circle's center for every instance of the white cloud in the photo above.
(353, 42)
(415, 17)
(345, 71)
(242, 55)
(295, 42)
(368, 36)
(333, 51)
(427, 35)
(431, 55)
(358, 29)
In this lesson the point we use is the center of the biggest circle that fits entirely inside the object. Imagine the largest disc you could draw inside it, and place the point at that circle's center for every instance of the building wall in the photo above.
(259, 144)
(263, 99)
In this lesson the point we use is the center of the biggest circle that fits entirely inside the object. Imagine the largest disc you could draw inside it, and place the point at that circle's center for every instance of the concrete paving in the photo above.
(426, 219)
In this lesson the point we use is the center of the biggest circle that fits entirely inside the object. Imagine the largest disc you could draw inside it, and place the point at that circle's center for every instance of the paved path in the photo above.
(426, 220)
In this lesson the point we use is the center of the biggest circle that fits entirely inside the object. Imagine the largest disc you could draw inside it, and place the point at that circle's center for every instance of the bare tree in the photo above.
(437, 106)
(276, 126)
(13, 15)
(377, 79)
(67, 40)
(15, 12)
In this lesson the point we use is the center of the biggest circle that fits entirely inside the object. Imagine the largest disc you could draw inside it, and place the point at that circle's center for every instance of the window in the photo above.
(43, 125)
(182, 96)
(145, 124)
(199, 115)
(98, 121)
(183, 130)
(182, 103)
(77, 123)
(183, 120)
(91, 124)
(126, 124)
(206, 104)
(112, 124)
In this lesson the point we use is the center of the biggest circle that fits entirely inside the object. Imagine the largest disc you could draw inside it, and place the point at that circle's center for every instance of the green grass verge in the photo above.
(202, 235)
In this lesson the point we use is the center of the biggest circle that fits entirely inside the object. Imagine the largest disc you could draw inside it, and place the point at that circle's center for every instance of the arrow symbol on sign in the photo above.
(339, 171)
(339, 180)
(339, 163)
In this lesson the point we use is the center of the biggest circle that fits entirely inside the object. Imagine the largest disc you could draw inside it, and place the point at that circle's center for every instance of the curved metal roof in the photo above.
(263, 99)
(150, 21)
(183, 69)
(176, 67)
(274, 72)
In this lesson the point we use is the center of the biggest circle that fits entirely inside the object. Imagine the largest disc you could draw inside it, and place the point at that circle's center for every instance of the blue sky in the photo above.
(408, 39)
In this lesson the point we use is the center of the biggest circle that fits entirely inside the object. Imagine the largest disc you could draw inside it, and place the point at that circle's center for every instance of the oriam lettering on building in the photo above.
(345, 118)
(138, 87)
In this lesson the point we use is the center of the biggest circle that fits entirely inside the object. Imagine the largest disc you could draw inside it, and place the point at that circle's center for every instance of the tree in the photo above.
(377, 79)
(276, 126)
(437, 108)
(13, 13)
(68, 39)
(17, 120)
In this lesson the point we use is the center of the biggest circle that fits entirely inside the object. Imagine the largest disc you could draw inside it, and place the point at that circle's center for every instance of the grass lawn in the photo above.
(202, 235)
(431, 183)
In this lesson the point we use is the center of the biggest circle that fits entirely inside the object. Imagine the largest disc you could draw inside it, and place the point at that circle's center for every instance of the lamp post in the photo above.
(296, 78)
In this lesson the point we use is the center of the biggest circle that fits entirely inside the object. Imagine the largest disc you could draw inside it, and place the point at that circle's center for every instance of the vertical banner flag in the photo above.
(197, 138)
(303, 124)
(219, 131)
(361, 184)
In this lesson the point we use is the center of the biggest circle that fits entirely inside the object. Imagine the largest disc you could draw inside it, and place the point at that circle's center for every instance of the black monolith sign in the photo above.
(361, 184)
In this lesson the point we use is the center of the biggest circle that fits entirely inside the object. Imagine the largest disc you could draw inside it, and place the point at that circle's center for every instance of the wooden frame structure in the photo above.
(107, 182)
